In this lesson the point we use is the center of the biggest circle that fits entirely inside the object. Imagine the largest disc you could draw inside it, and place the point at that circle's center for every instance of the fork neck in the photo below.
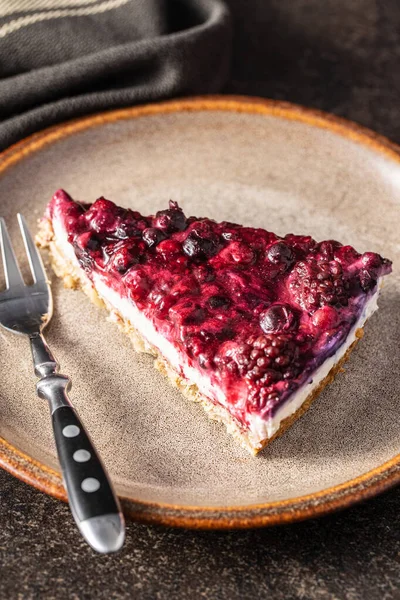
(44, 362)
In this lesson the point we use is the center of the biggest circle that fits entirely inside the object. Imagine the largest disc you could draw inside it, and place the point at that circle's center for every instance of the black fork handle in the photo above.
(94, 504)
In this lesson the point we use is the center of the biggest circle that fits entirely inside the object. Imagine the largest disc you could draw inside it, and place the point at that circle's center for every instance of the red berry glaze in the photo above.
(251, 309)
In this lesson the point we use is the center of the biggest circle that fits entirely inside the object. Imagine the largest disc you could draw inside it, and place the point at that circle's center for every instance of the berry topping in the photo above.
(248, 307)
(367, 280)
(265, 358)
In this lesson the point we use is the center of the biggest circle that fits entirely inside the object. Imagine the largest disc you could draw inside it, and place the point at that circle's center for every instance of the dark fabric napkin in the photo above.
(60, 59)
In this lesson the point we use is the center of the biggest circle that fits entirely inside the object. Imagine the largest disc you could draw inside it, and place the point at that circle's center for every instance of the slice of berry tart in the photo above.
(250, 324)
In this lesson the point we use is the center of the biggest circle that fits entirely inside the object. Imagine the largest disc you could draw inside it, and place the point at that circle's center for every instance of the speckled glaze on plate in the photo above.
(260, 163)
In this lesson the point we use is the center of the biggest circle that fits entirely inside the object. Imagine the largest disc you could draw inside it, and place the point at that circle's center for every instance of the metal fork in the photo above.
(26, 310)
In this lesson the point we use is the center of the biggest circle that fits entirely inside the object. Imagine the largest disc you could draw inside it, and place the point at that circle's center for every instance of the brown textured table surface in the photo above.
(339, 56)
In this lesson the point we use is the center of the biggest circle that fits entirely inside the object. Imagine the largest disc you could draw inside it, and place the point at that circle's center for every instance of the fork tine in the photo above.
(35, 260)
(11, 269)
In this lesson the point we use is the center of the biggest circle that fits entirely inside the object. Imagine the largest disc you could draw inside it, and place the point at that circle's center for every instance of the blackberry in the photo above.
(268, 362)
(314, 284)
(265, 358)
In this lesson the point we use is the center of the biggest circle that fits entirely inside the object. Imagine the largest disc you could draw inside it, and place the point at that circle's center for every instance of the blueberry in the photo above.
(84, 258)
(153, 236)
(170, 220)
(123, 259)
(371, 260)
(195, 317)
(277, 318)
(280, 253)
(125, 231)
(219, 302)
(93, 244)
(197, 246)
(367, 280)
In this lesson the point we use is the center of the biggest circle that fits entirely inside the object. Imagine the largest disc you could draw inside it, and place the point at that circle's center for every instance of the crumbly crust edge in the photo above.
(75, 279)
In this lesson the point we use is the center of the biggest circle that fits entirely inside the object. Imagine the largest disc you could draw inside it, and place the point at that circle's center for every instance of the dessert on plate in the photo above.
(251, 325)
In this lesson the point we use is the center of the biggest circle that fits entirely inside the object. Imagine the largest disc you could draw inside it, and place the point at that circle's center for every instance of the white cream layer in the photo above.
(259, 428)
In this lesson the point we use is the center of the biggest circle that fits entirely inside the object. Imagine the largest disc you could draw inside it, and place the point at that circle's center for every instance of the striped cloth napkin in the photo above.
(63, 58)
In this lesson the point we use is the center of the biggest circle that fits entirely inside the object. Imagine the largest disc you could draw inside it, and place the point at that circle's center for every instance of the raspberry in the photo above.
(137, 283)
(169, 249)
(102, 216)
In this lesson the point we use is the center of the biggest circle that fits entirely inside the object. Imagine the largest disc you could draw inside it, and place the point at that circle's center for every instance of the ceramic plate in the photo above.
(259, 163)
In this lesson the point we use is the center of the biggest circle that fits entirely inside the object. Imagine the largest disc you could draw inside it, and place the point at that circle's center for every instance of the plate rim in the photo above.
(366, 485)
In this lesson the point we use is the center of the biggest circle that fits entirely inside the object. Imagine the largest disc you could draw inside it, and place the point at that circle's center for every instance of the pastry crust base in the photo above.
(75, 279)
